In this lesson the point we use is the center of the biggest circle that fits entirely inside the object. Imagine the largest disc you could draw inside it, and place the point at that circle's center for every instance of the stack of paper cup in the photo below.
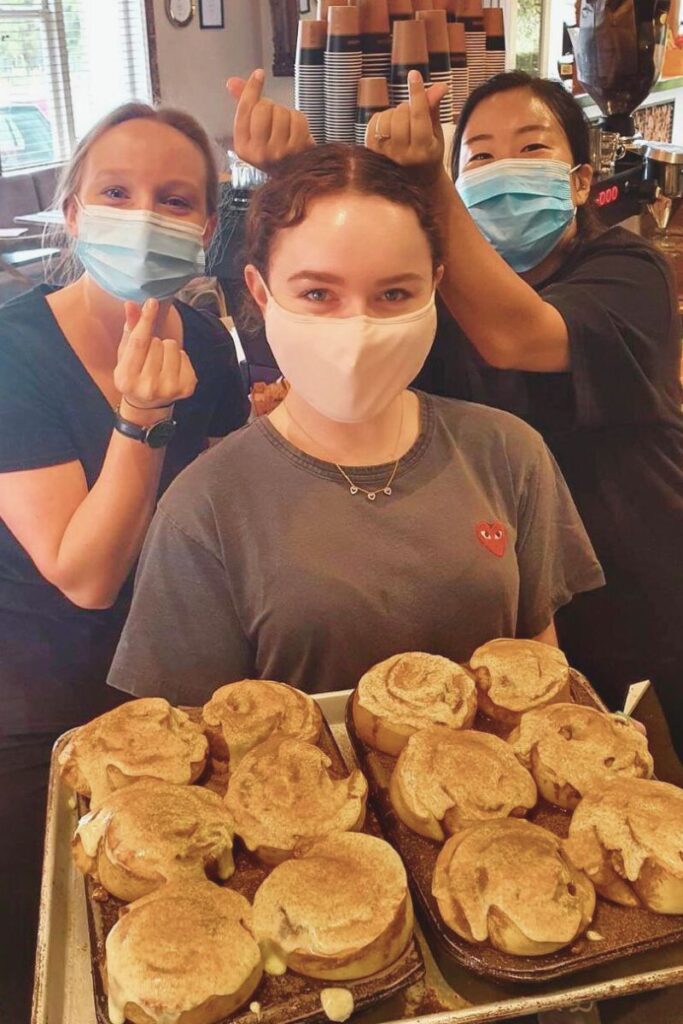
(460, 76)
(494, 26)
(439, 58)
(373, 96)
(343, 67)
(400, 10)
(471, 13)
(375, 38)
(309, 75)
(408, 52)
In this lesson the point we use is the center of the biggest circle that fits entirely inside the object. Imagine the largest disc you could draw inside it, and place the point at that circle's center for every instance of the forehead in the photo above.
(149, 149)
(505, 112)
(349, 227)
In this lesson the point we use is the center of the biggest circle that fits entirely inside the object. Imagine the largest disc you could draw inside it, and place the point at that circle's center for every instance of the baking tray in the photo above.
(284, 999)
(624, 930)
(63, 990)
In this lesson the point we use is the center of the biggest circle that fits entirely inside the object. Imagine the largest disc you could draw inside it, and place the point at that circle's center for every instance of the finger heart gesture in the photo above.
(151, 372)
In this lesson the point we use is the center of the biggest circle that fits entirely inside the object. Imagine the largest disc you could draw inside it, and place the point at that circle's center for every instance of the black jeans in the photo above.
(24, 771)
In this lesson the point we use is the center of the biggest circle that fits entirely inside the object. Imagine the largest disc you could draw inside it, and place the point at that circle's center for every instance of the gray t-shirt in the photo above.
(260, 562)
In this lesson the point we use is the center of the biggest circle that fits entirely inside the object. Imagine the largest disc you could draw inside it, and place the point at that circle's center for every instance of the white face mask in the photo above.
(349, 369)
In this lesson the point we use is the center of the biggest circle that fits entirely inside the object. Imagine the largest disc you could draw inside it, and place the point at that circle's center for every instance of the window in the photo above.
(63, 64)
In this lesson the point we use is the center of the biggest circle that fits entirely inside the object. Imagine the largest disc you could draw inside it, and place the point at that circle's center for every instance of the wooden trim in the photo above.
(152, 49)
(284, 15)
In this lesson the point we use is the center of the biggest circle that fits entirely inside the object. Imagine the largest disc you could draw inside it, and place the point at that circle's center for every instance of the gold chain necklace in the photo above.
(356, 488)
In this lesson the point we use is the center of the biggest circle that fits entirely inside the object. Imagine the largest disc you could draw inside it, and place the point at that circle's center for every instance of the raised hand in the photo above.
(265, 132)
(151, 372)
(411, 134)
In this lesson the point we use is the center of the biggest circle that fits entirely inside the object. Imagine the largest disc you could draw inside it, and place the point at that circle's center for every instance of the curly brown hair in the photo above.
(327, 170)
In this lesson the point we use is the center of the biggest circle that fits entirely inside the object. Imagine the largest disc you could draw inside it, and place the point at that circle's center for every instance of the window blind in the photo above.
(63, 64)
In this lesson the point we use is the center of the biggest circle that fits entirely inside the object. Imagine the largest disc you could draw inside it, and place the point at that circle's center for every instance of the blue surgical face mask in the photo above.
(522, 207)
(137, 254)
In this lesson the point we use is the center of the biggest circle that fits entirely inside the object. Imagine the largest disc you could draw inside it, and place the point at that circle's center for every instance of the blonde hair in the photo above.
(67, 268)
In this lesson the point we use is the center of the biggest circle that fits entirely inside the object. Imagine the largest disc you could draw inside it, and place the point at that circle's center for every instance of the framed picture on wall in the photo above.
(656, 121)
(211, 14)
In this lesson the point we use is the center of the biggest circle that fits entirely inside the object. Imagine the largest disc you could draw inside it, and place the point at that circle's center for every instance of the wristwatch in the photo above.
(156, 436)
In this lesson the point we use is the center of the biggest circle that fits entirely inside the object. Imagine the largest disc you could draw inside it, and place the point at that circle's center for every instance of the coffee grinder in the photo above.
(619, 51)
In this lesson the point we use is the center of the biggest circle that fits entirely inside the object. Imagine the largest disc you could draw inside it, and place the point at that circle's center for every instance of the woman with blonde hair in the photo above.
(108, 389)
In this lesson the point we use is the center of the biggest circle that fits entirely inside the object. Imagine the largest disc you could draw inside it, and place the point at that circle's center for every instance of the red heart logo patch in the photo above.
(493, 536)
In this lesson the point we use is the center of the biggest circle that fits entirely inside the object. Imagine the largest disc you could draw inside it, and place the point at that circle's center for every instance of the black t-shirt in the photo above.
(54, 656)
(615, 427)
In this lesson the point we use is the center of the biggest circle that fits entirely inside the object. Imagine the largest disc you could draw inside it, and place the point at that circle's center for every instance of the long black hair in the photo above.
(564, 108)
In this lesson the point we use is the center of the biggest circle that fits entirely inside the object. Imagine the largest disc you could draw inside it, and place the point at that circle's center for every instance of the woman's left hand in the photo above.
(411, 133)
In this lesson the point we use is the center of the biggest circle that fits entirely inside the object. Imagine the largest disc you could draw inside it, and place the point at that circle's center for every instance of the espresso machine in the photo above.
(619, 51)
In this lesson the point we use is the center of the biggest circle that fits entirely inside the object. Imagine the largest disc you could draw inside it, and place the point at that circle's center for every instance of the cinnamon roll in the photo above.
(241, 715)
(151, 833)
(339, 910)
(408, 692)
(515, 676)
(283, 792)
(143, 739)
(446, 780)
(628, 838)
(510, 884)
(571, 749)
(184, 954)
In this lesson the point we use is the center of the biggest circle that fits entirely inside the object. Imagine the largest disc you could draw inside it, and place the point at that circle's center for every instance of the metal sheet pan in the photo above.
(63, 992)
(623, 931)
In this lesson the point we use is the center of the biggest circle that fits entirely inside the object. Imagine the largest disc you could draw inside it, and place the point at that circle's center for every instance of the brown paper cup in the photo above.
(469, 8)
(400, 8)
(494, 23)
(456, 37)
(373, 92)
(324, 5)
(423, 5)
(437, 30)
(409, 43)
(312, 35)
(445, 5)
(374, 16)
(343, 21)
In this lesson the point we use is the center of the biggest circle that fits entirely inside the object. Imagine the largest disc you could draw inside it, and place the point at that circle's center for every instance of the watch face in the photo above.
(160, 434)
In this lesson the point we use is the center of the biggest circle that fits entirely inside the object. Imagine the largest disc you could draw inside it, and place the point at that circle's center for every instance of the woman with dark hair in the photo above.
(360, 518)
(103, 400)
(572, 327)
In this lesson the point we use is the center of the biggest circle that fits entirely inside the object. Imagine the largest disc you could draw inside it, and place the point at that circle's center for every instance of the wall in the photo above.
(194, 62)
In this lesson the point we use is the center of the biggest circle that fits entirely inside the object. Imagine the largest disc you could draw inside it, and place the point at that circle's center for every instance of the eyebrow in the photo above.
(318, 275)
(519, 131)
(124, 173)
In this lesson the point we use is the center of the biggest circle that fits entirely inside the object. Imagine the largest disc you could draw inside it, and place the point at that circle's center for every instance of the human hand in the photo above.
(151, 372)
(265, 132)
(411, 134)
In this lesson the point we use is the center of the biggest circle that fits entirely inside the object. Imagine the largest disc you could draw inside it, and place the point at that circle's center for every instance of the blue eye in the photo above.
(316, 295)
(178, 202)
(395, 294)
(114, 192)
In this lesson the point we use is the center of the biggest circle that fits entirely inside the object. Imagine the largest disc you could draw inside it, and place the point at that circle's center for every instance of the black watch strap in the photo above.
(156, 436)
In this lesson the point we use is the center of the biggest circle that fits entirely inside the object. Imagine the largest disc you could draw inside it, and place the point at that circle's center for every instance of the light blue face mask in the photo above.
(522, 207)
(137, 254)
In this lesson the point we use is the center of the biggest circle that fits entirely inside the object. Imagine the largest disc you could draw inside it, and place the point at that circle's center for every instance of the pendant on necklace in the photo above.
(371, 495)
(387, 491)
(353, 489)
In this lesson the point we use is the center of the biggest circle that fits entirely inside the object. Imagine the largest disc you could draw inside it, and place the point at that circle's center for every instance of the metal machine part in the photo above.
(619, 50)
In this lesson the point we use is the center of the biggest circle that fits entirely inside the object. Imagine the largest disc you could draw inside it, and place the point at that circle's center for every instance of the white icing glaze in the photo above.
(337, 1004)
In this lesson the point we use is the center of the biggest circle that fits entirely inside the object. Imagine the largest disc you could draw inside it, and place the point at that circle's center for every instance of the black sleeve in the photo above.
(33, 432)
(212, 353)
(619, 307)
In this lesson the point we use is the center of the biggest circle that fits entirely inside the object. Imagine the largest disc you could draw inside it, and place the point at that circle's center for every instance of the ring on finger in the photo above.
(380, 136)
